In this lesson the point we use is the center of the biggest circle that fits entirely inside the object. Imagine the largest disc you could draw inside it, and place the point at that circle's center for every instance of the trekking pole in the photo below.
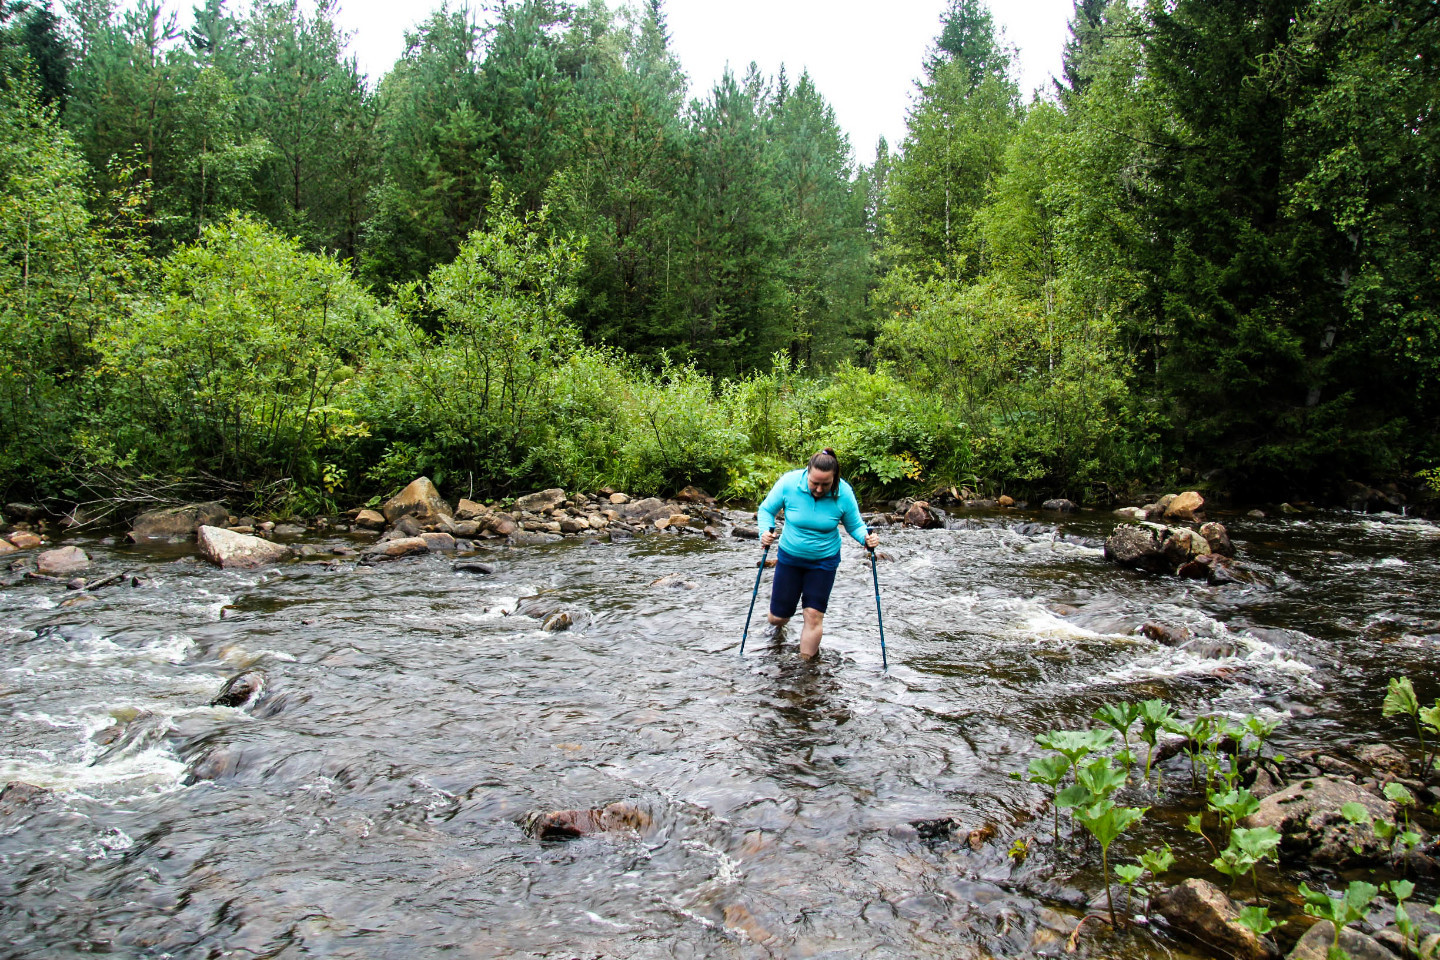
(758, 574)
(885, 661)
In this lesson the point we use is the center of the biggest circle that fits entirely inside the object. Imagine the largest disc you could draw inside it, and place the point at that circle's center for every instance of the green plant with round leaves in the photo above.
(1233, 806)
(1121, 717)
(1106, 821)
(1074, 745)
(1154, 716)
(1402, 891)
(1256, 919)
(1400, 700)
(1049, 771)
(1341, 911)
(1248, 848)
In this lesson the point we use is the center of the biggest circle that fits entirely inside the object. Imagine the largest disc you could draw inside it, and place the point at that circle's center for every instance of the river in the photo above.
(367, 805)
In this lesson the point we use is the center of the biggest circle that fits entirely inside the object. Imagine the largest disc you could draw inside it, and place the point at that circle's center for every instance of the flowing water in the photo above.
(367, 804)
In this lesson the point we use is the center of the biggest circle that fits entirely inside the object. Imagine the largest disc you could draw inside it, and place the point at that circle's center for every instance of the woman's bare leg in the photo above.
(810, 636)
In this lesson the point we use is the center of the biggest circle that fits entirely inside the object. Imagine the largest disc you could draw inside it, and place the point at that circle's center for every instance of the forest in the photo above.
(530, 255)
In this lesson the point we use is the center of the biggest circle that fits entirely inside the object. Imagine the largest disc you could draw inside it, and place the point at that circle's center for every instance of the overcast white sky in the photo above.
(863, 55)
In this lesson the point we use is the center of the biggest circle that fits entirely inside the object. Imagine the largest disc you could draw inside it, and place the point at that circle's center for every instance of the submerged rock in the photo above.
(1061, 505)
(18, 794)
(674, 580)
(569, 824)
(240, 689)
(474, 566)
(225, 548)
(1202, 911)
(1307, 815)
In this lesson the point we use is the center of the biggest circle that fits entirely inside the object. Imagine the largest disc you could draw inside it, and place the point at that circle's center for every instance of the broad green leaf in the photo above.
(1356, 813)
(1399, 793)
(1129, 873)
(1256, 919)
(1158, 861)
(1049, 769)
(1400, 698)
(1402, 889)
(1075, 795)
(1430, 716)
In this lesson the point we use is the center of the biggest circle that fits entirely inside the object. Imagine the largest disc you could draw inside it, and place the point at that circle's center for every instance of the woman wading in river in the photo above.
(816, 503)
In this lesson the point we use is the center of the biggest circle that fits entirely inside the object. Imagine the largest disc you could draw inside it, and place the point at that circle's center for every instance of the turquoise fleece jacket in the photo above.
(812, 527)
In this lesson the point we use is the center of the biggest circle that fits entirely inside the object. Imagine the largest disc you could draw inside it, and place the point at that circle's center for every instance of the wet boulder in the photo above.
(6, 547)
(18, 795)
(1154, 547)
(225, 548)
(420, 500)
(539, 502)
(1307, 815)
(469, 510)
(182, 521)
(532, 538)
(650, 509)
(501, 525)
(62, 562)
(439, 542)
(1060, 505)
(473, 566)
(404, 527)
(24, 540)
(569, 824)
(745, 532)
(1218, 537)
(1200, 910)
(1132, 513)
(674, 580)
(1316, 943)
(370, 520)
(395, 548)
(1188, 507)
(920, 514)
(693, 494)
(240, 689)
(24, 512)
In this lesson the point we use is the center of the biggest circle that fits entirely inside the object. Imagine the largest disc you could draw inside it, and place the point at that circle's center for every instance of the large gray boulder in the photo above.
(1200, 910)
(182, 521)
(538, 502)
(227, 548)
(1307, 814)
(420, 500)
(1154, 547)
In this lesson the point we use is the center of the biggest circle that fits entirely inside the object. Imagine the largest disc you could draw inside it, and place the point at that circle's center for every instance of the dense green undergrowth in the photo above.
(244, 363)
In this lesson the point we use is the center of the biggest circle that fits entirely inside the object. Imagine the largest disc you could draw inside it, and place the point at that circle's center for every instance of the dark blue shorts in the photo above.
(796, 578)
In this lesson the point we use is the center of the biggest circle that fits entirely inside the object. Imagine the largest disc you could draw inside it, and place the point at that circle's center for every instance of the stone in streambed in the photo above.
(226, 548)
(1316, 943)
(18, 795)
(1060, 505)
(370, 520)
(63, 562)
(1218, 537)
(1132, 513)
(674, 580)
(569, 824)
(744, 532)
(538, 502)
(25, 540)
(469, 510)
(1200, 910)
(397, 547)
(502, 525)
(693, 494)
(24, 512)
(1307, 815)
(420, 499)
(240, 689)
(1188, 507)
(439, 542)
(183, 521)
(920, 515)
(473, 566)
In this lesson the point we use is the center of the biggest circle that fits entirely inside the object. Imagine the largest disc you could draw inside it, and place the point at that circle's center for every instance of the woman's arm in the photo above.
(850, 515)
(771, 505)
